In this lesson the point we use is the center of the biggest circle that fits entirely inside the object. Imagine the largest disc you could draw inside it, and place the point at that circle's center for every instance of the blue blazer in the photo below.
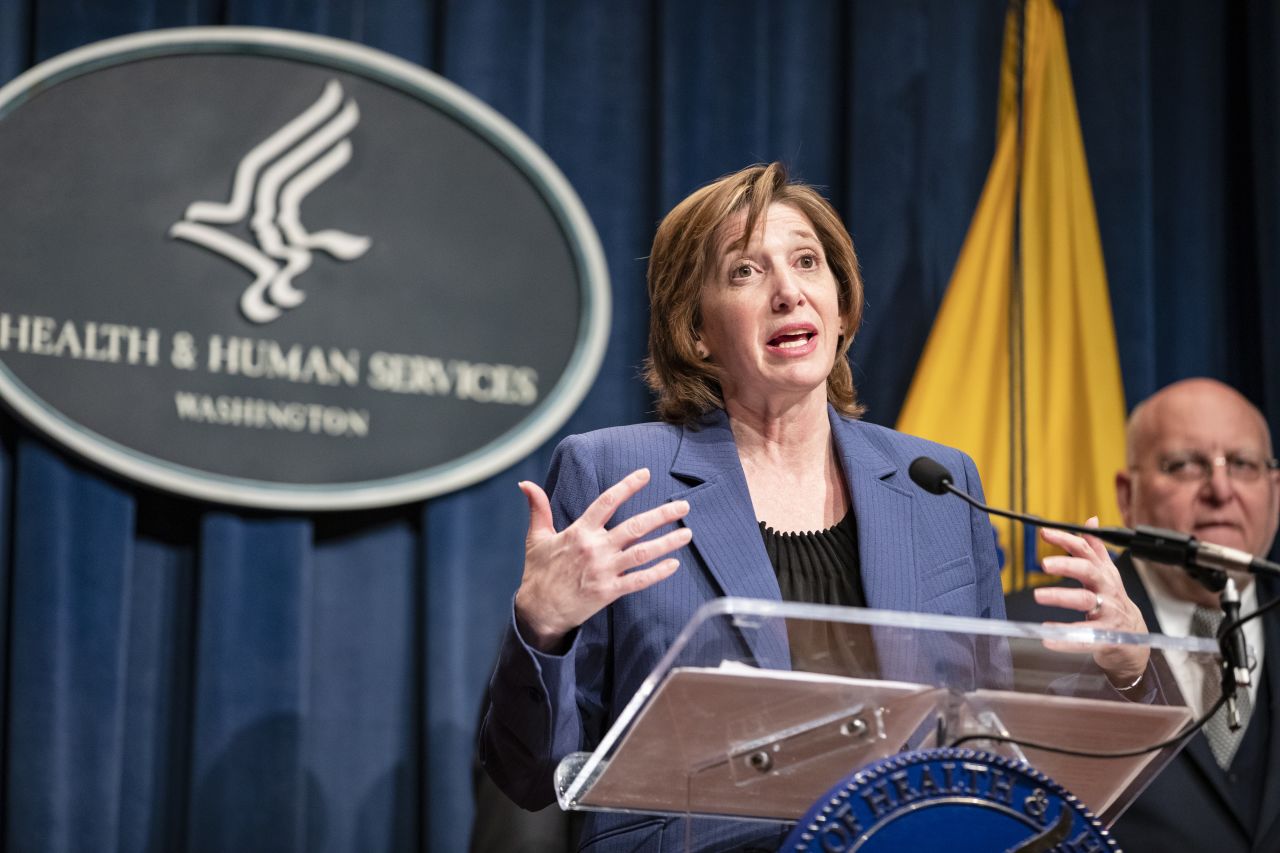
(918, 552)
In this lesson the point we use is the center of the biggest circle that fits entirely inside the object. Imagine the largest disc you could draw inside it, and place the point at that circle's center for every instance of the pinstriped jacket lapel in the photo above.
(884, 513)
(726, 535)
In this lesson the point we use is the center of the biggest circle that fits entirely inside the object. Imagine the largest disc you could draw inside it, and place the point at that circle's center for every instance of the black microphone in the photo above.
(1204, 561)
(930, 475)
(1235, 654)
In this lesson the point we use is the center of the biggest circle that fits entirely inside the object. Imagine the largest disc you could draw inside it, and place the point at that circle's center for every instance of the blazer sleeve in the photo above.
(543, 706)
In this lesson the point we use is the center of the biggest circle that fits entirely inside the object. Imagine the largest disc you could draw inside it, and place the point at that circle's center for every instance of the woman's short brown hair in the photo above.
(683, 251)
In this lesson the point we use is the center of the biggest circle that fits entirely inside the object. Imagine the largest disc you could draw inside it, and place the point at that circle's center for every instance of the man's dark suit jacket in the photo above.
(1190, 806)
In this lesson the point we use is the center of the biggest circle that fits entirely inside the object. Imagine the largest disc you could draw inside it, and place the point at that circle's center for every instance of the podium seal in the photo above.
(960, 800)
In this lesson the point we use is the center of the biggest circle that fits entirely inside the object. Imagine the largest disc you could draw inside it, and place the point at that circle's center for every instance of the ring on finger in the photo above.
(1097, 606)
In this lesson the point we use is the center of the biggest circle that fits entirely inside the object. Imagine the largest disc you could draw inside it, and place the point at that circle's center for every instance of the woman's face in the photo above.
(771, 312)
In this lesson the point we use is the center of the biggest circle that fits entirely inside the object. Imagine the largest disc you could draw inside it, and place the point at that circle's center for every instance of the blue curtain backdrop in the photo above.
(186, 676)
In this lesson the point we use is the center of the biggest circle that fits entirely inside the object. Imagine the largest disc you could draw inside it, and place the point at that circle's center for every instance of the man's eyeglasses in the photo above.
(1196, 468)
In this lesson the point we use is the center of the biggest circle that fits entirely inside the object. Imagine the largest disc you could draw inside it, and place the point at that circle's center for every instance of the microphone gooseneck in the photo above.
(1204, 561)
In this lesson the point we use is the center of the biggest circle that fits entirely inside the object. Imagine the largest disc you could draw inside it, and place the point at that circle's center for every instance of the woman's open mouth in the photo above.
(794, 340)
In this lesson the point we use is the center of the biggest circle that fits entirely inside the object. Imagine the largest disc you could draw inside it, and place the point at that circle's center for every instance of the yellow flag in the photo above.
(1020, 369)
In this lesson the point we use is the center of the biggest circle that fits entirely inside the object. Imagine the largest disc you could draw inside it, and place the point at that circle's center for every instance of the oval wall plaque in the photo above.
(281, 270)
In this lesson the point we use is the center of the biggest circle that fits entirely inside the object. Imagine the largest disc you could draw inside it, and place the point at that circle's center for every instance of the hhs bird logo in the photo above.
(277, 175)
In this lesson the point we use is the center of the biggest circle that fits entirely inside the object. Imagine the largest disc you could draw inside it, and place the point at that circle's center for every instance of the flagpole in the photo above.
(1021, 550)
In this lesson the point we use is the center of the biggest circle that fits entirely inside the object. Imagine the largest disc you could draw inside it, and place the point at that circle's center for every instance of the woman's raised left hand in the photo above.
(1102, 599)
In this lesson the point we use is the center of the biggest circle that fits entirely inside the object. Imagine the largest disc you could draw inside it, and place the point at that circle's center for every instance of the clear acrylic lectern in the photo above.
(760, 707)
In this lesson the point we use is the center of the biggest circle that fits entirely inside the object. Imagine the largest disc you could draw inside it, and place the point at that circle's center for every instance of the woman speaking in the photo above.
(759, 481)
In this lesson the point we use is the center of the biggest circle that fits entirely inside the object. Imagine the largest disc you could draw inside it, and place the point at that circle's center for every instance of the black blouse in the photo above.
(819, 567)
(822, 567)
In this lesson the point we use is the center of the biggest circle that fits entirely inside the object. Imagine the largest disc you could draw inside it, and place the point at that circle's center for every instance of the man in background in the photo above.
(1199, 460)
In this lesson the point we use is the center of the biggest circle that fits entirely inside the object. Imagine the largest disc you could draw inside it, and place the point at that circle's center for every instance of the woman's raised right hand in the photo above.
(571, 575)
